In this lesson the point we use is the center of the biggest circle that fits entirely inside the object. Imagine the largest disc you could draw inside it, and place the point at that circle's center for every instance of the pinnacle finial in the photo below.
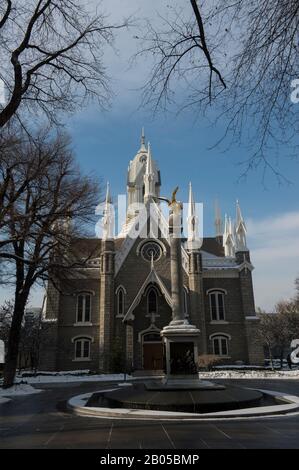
(239, 213)
(218, 219)
(240, 229)
(108, 197)
(191, 203)
(142, 137)
(149, 161)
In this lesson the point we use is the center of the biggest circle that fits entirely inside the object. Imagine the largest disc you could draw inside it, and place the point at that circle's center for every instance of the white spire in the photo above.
(193, 241)
(108, 216)
(108, 197)
(149, 161)
(142, 141)
(230, 227)
(228, 237)
(149, 177)
(218, 220)
(191, 204)
(240, 230)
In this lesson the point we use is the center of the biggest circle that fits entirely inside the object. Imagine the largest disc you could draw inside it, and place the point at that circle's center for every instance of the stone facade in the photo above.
(123, 297)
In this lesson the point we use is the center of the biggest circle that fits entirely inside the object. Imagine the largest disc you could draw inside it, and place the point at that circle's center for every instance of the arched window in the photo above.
(82, 348)
(220, 345)
(120, 301)
(152, 304)
(217, 308)
(120, 298)
(84, 308)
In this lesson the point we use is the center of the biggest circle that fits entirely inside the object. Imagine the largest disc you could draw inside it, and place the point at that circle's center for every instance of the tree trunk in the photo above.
(281, 357)
(11, 359)
(271, 357)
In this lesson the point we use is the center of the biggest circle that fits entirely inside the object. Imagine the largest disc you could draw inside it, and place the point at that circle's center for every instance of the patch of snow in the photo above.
(56, 373)
(250, 374)
(276, 364)
(61, 377)
(237, 372)
(17, 390)
(4, 400)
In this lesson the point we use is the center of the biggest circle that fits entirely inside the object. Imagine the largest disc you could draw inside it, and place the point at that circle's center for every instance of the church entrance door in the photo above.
(152, 352)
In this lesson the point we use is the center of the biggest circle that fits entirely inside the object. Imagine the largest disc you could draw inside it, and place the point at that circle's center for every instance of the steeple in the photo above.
(143, 180)
(142, 141)
(228, 238)
(108, 216)
(192, 221)
(240, 230)
(149, 177)
(218, 220)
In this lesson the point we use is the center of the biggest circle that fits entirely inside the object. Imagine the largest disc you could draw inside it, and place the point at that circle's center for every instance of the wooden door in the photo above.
(153, 356)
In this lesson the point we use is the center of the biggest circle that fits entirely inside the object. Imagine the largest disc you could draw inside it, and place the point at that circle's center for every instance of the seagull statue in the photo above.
(172, 201)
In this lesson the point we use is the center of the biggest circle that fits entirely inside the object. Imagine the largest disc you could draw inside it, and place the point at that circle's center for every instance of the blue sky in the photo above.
(104, 142)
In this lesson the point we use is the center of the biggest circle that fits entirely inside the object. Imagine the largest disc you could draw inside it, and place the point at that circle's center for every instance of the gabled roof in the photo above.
(153, 277)
(213, 246)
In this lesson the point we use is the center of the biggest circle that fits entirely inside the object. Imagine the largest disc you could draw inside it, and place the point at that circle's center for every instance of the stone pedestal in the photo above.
(181, 357)
(181, 348)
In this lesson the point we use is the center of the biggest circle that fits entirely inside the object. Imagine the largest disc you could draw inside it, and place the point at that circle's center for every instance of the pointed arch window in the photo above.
(152, 301)
(120, 301)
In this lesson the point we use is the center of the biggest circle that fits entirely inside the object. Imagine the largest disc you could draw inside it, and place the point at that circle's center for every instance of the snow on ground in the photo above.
(17, 390)
(23, 382)
(4, 400)
(61, 377)
(234, 373)
(250, 374)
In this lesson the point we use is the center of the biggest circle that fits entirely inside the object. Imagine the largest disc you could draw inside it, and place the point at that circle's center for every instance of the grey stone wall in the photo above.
(58, 351)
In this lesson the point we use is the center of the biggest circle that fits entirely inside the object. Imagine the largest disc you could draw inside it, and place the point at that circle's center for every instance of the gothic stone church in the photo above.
(124, 297)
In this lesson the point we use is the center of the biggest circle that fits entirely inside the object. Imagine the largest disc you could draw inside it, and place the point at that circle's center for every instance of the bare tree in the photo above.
(51, 55)
(297, 292)
(5, 320)
(39, 225)
(266, 333)
(277, 330)
(242, 56)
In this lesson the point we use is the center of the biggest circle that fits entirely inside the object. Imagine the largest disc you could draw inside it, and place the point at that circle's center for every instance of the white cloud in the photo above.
(274, 246)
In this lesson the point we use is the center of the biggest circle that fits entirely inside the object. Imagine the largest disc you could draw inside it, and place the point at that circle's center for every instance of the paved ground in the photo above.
(38, 421)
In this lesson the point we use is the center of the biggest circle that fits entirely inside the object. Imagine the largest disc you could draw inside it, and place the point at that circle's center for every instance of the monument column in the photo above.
(180, 337)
